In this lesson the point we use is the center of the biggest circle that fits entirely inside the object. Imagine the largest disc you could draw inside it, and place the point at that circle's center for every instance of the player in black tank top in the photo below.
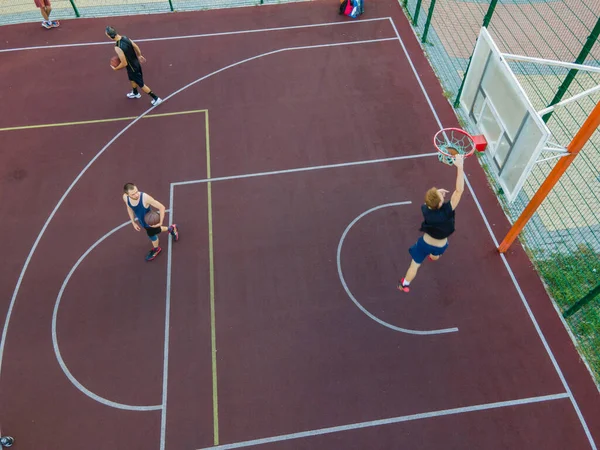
(131, 58)
(133, 63)
(438, 224)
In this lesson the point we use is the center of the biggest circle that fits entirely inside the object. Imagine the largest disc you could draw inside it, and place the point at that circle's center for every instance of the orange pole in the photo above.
(583, 135)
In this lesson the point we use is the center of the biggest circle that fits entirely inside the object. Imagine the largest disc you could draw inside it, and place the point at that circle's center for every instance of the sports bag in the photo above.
(352, 8)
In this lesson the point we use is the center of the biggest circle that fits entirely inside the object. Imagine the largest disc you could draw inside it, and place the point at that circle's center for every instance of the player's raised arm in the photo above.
(460, 181)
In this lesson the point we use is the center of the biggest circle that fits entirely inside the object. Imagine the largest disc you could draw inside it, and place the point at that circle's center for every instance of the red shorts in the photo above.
(42, 3)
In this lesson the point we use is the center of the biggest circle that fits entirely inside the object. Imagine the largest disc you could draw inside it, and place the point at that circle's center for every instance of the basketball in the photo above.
(452, 151)
(115, 61)
(152, 218)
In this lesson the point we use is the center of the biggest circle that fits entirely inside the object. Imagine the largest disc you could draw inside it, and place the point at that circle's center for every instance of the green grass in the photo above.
(568, 278)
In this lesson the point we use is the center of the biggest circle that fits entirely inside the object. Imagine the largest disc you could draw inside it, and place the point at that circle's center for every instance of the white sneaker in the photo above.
(157, 102)
(132, 95)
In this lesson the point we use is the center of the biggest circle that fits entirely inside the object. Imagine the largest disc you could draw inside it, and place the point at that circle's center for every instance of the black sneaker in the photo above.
(6, 441)
(153, 253)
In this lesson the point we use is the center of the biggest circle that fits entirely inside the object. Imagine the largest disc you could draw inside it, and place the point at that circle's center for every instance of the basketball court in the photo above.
(293, 150)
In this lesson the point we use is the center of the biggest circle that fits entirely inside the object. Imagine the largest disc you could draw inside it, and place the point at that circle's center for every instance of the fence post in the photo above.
(585, 51)
(75, 9)
(486, 21)
(417, 9)
(428, 21)
(582, 302)
(171, 5)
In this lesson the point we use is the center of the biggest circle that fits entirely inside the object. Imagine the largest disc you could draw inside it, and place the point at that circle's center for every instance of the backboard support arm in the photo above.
(583, 135)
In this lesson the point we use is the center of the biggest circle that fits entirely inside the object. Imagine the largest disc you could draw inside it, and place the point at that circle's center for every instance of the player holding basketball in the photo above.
(131, 58)
(138, 205)
(438, 224)
(45, 10)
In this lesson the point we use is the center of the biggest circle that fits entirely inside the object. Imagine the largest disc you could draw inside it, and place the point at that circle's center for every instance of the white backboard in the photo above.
(496, 102)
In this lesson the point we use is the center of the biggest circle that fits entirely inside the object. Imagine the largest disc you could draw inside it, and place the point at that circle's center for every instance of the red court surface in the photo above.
(293, 150)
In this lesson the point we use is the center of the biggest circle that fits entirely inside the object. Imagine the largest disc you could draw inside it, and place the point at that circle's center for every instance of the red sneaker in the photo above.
(174, 231)
(401, 286)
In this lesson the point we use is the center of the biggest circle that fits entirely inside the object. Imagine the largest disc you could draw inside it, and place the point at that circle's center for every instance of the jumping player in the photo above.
(131, 57)
(138, 204)
(438, 224)
(45, 10)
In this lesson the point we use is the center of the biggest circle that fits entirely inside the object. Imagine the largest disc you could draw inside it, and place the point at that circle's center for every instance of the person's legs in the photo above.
(137, 78)
(45, 13)
(156, 100)
(153, 235)
(411, 273)
(134, 90)
(419, 251)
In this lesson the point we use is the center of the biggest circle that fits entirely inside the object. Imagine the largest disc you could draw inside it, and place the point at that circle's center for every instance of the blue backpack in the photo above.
(352, 8)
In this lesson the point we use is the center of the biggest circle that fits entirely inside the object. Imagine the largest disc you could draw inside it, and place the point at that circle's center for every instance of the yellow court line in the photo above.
(213, 334)
(87, 122)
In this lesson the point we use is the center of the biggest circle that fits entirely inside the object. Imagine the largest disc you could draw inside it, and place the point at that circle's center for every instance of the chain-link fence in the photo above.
(563, 237)
(19, 11)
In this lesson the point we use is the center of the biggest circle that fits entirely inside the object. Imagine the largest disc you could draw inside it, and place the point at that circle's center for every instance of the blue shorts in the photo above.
(422, 249)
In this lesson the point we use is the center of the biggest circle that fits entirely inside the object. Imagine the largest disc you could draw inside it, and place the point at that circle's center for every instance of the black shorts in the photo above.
(137, 77)
(153, 231)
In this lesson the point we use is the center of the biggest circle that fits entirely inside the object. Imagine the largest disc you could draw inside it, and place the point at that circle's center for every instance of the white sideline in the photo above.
(192, 36)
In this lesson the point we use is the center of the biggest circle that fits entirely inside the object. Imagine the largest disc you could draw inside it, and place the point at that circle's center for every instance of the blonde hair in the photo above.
(432, 198)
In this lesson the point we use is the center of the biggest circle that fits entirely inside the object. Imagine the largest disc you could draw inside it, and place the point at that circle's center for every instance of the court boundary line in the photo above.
(390, 421)
(165, 380)
(503, 257)
(194, 36)
(84, 170)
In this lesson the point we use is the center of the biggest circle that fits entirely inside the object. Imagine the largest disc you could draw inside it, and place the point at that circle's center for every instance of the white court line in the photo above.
(56, 347)
(392, 420)
(504, 260)
(304, 169)
(163, 415)
(356, 302)
(195, 36)
(89, 164)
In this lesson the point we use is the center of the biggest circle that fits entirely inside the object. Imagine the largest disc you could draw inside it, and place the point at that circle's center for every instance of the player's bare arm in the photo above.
(122, 58)
(138, 52)
(131, 214)
(158, 205)
(460, 181)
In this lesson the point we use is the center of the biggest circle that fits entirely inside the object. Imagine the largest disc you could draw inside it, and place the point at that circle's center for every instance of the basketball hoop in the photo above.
(454, 141)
